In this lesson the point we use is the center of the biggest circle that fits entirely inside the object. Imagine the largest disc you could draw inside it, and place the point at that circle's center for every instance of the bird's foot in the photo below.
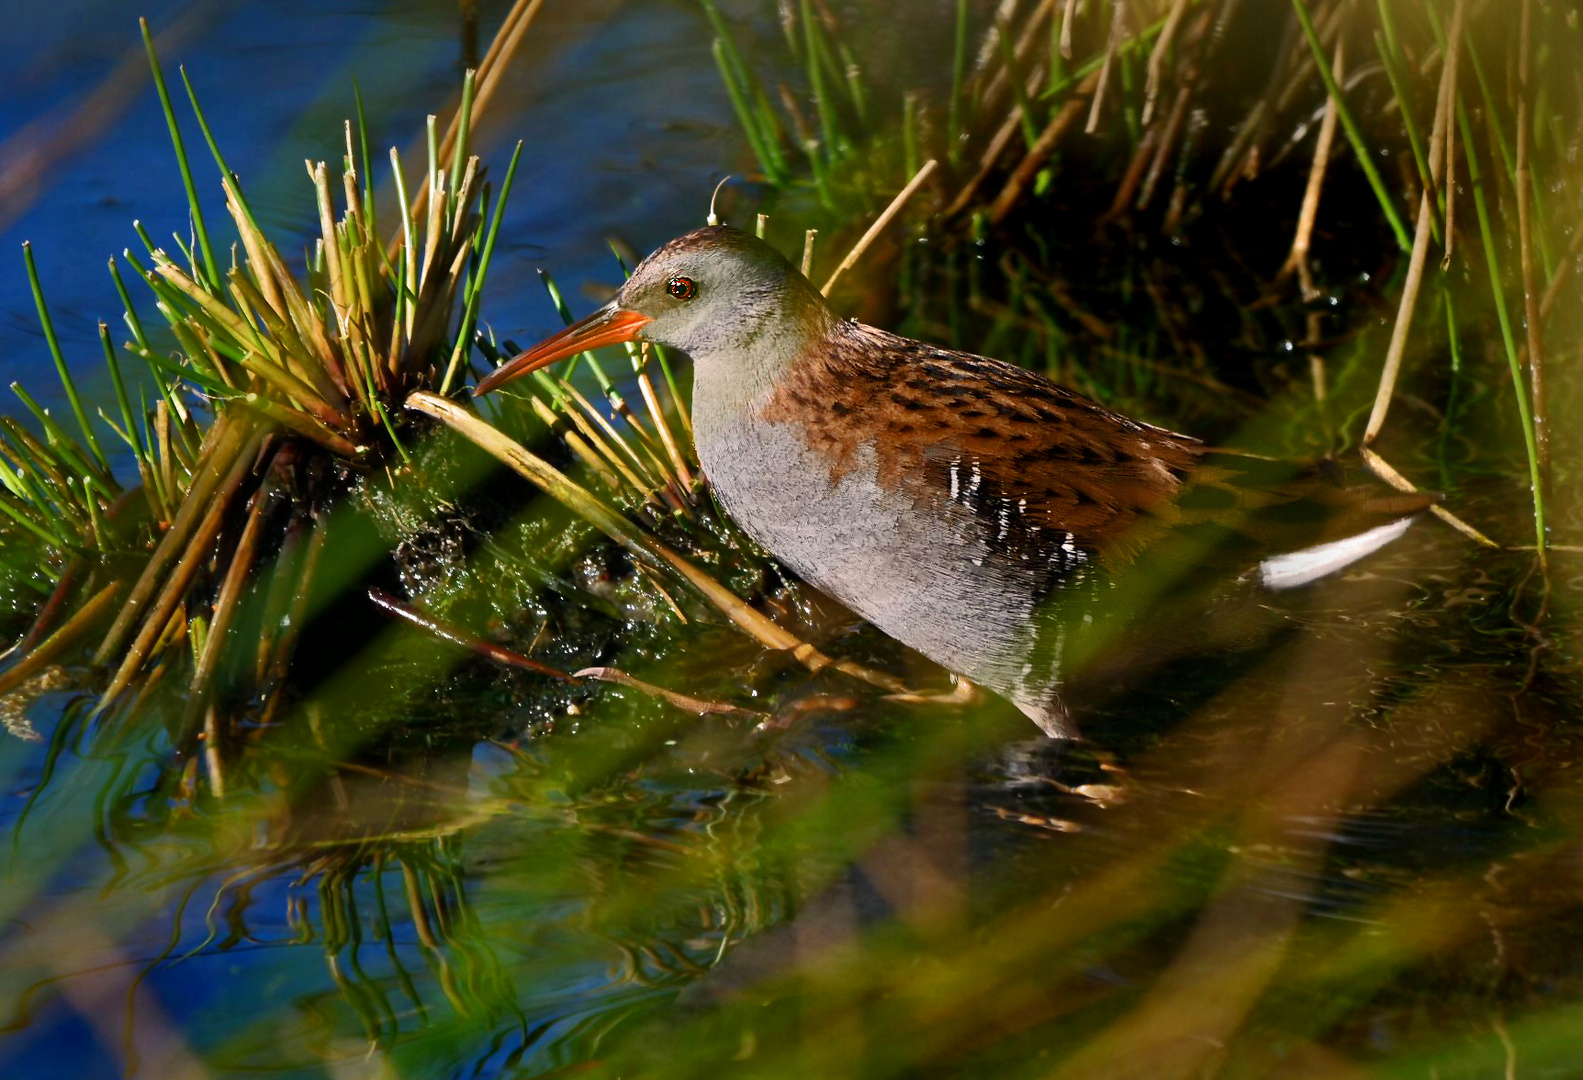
(962, 692)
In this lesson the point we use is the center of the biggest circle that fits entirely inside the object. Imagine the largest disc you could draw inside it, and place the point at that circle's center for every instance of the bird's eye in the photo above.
(682, 288)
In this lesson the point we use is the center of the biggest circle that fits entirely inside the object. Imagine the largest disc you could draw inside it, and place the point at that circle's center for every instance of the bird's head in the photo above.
(724, 297)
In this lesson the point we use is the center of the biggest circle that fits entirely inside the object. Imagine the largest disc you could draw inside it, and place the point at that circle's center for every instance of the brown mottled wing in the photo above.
(1038, 464)
(1049, 471)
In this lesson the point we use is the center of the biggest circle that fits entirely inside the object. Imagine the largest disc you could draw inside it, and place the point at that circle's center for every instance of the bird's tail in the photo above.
(1293, 522)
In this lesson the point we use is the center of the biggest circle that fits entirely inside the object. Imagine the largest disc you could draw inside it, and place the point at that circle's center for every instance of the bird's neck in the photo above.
(735, 377)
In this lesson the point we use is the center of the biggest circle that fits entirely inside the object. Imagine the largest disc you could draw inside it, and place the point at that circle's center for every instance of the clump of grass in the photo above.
(275, 374)
(1059, 91)
(297, 370)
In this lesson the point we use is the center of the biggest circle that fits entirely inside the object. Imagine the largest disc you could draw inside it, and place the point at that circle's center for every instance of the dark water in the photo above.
(1337, 836)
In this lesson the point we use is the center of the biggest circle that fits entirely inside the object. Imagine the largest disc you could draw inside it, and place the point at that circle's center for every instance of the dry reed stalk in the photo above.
(1297, 261)
(213, 764)
(226, 605)
(1562, 275)
(1023, 176)
(642, 485)
(319, 177)
(1021, 50)
(986, 164)
(1173, 127)
(487, 649)
(224, 443)
(686, 702)
(1243, 158)
(46, 651)
(1316, 363)
(284, 578)
(989, 49)
(1068, 14)
(998, 143)
(167, 605)
(1387, 472)
(1112, 43)
(684, 475)
(488, 77)
(299, 593)
(1162, 46)
(595, 459)
(1439, 140)
(1133, 177)
(1404, 322)
(64, 589)
(880, 222)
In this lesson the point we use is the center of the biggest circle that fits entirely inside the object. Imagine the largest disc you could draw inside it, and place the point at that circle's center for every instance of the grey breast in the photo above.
(915, 565)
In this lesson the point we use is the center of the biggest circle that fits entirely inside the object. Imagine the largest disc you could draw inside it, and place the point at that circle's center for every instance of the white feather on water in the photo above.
(1300, 567)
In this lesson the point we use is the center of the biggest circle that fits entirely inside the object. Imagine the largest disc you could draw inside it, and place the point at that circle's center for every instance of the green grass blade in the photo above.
(464, 335)
(1349, 123)
(211, 269)
(206, 381)
(745, 116)
(910, 158)
(1388, 27)
(71, 454)
(1414, 138)
(60, 361)
(406, 283)
(37, 465)
(856, 91)
(214, 149)
(368, 162)
(379, 407)
(464, 124)
(148, 241)
(8, 478)
(816, 83)
(1497, 290)
(17, 515)
(133, 323)
(749, 100)
(1030, 129)
(434, 153)
(113, 363)
(954, 118)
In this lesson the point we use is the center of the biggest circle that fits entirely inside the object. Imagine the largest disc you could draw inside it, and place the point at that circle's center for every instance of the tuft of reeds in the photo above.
(1129, 91)
(296, 369)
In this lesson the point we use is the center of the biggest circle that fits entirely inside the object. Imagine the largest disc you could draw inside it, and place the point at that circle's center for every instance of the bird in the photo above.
(967, 507)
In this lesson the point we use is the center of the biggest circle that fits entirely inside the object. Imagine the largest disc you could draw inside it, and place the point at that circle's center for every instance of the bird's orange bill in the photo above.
(609, 325)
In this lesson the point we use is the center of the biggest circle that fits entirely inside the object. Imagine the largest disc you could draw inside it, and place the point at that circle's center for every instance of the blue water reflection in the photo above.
(621, 122)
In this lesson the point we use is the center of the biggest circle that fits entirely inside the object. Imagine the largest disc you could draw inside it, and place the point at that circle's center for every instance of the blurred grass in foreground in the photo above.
(1347, 845)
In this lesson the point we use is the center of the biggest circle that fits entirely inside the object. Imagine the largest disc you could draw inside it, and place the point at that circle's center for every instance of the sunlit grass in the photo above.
(1164, 902)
